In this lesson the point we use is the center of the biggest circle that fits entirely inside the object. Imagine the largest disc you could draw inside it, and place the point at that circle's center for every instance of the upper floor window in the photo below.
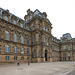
(34, 26)
(6, 35)
(28, 41)
(22, 39)
(47, 42)
(15, 38)
(44, 28)
(68, 54)
(68, 47)
(14, 21)
(6, 48)
(27, 50)
(34, 53)
(39, 39)
(21, 25)
(39, 26)
(39, 53)
(30, 17)
(34, 39)
(64, 47)
(6, 18)
(15, 49)
(22, 50)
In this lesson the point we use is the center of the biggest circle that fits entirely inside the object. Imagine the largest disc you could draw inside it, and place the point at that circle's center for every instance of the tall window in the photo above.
(39, 39)
(47, 42)
(68, 54)
(34, 53)
(27, 41)
(15, 57)
(15, 38)
(69, 48)
(6, 35)
(34, 39)
(21, 25)
(15, 49)
(22, 39)
(22, 58)
(27, 50)
(64, 48)
(39, 53)
(47, 29)
(34, 26)
(22, 50)
(39, 26)
(6, 18)
(6, 48)
(64, 54)
(14, 22)
(44, 28)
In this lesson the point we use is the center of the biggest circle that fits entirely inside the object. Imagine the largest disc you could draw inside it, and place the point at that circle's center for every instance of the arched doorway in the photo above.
(45, 55)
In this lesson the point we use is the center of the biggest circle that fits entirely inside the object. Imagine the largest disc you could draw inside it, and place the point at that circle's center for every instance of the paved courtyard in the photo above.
(49, 68)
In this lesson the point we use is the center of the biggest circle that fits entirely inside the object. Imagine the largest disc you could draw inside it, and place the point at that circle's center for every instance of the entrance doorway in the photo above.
(45, 55)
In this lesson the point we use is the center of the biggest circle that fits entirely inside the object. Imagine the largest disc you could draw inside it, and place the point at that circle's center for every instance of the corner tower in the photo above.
(40, 28)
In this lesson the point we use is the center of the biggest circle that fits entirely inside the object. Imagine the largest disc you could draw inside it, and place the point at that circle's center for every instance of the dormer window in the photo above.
(6, 18)
(14, 22)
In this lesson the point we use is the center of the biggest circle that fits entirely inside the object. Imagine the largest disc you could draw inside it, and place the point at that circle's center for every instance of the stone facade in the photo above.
(21, 40)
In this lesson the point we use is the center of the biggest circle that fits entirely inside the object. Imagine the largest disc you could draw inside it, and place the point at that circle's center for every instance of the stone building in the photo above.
(32, 39)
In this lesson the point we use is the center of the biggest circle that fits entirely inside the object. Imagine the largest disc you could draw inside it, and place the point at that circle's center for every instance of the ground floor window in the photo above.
(6, 57)
(27, 58)
(22, 58)
(15, 57)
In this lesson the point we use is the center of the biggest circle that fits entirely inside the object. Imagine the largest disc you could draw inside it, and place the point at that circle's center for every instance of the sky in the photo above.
(61, 13)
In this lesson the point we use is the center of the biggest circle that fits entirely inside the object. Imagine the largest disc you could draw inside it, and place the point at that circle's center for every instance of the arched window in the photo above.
(22, 50)
(15, 49)
(6, 18)
(22, 39)
(15, 38)
(6, 35)
(7, 48)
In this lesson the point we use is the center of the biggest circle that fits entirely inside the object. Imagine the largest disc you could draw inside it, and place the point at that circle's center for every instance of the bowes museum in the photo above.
(32, 39)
